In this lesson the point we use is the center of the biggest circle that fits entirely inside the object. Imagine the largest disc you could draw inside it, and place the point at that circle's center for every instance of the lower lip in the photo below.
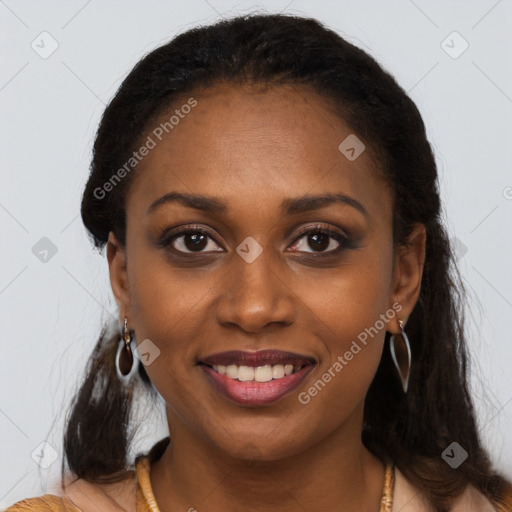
(255, 393)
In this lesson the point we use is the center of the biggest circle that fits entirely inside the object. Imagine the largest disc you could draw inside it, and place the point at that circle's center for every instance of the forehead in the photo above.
(252, 145)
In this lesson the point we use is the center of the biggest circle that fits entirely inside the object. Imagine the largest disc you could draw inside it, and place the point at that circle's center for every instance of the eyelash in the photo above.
(343, 241)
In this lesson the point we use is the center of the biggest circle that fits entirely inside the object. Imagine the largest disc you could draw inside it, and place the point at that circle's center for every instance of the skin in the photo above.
(251, 148)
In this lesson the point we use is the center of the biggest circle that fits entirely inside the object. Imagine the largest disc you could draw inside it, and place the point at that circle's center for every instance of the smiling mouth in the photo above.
(256, 378)
(264, 373)
(261, 365)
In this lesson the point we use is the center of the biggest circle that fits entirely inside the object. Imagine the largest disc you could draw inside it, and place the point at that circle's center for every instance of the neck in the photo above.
(336, 473)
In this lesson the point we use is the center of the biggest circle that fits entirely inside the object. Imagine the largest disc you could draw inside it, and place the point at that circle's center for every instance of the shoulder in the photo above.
(472, 499)
(113, 497)
(505, 498)
(82, 496)
(408, 499)
(46, 503)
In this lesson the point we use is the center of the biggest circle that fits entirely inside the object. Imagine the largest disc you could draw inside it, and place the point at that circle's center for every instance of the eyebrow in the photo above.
(289, 206)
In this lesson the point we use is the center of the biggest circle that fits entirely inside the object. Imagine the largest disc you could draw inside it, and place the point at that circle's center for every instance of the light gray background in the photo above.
(50, 109)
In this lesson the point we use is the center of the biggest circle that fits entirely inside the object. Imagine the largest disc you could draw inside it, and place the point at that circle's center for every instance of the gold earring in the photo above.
(126, 366)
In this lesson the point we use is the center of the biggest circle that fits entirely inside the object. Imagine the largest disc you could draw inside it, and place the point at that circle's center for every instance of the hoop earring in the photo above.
(404, 365)
(126, 364)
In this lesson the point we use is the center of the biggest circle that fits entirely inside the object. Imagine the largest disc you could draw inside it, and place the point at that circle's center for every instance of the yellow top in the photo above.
(135, 494)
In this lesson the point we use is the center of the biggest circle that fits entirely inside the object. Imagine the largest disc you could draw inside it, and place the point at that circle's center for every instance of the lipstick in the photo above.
(256, 378)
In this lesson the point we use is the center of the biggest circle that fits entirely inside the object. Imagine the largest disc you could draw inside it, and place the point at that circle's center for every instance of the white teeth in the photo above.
(263, 373)
(245, 373)
(232, 371)
(278, 371)
(259, 374)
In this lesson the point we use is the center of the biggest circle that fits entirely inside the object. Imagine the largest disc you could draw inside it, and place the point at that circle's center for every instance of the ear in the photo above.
(407, 273)
(116, 255)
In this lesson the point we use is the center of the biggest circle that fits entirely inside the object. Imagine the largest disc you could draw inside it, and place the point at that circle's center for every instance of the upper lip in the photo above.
(258, 358)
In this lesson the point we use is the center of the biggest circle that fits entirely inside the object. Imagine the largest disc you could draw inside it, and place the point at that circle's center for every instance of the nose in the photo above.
(255, 295)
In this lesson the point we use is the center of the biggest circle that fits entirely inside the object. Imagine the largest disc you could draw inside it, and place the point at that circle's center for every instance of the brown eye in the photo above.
(195, 241)
(191, 241)
(320, 239)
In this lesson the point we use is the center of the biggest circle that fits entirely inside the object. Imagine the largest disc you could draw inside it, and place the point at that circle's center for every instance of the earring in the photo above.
(404, 365)
(126, 364)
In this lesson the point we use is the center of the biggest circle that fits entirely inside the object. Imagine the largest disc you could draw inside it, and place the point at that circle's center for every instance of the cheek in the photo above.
(352, 350)
(167, 306)
(350, 313)
(161, 296)
(350, 298)
(167, 310)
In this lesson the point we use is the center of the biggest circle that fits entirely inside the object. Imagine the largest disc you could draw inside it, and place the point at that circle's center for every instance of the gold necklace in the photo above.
(386, 502)
(143, 469)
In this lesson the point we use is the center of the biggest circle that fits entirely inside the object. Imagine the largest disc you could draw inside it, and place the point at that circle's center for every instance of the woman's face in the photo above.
(256, 281)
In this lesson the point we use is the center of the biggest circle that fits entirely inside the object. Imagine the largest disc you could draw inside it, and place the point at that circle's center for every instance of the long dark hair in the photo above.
(412, 429)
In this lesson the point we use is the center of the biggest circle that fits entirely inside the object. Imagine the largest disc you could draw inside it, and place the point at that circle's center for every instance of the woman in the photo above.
(270, 207)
